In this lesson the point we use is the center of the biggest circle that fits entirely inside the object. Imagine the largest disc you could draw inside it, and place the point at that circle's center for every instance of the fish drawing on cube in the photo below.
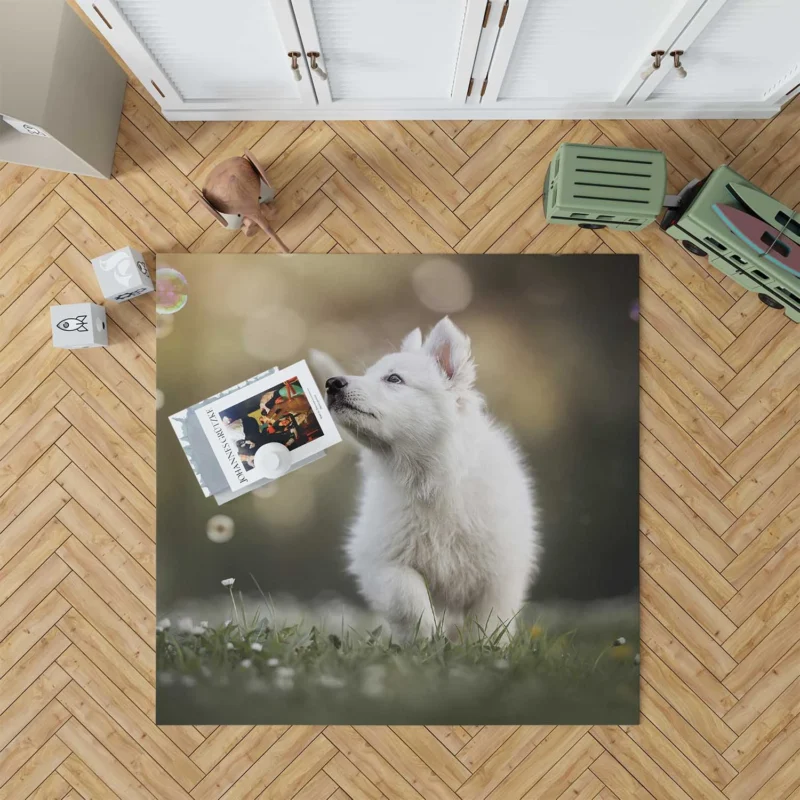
(122, 275)
(79, 325)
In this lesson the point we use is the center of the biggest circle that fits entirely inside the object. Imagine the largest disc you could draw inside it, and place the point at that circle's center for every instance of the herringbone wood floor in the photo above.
(720, 470)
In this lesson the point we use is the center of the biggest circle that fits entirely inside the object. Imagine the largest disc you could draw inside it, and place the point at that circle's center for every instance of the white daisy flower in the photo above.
(636, 659)
(228, 581)
(198, 630)
(203, 623)
(185, 625)
(273, 662)
(228, 621)
(164, 625)
(188, 680)
(620, 641)
(229, 646)
(246, 662)
(257, 647)
(219, 529)
(166, 678)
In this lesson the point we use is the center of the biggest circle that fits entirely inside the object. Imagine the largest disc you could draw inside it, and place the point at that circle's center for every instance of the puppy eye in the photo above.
(393, 378)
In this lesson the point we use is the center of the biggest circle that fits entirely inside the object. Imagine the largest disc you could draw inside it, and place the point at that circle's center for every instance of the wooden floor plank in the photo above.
(423, 200)
(103, 709)
(31, 230)
(419, 161)
(686, 738)
(30, 267)
(159, 131)
(437, 143)
(113, 628)
(12, 176)
(499, 182)
(385, 198)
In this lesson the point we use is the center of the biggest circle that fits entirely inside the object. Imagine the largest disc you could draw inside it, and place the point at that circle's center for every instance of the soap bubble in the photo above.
(171, 290)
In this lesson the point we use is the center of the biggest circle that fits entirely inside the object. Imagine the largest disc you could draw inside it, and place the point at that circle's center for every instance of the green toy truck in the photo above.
(625, 189)
(605, 187)
(702, 232)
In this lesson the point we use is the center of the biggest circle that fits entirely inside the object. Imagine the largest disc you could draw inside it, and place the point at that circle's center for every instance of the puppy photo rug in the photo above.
(397, 489)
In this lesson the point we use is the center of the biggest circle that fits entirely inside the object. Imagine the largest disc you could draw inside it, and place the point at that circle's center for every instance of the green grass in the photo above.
(568, 672)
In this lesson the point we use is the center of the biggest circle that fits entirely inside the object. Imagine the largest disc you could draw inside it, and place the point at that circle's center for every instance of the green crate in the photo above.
(697, 224)
(612, 187)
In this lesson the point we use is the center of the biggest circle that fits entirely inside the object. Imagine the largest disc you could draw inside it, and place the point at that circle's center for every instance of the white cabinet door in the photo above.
(570, 54)
(377, 54)
(746, 51)
(209, 54)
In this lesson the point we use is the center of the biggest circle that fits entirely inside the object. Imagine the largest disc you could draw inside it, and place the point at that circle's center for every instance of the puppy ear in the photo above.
(412, 342)
(450, 347)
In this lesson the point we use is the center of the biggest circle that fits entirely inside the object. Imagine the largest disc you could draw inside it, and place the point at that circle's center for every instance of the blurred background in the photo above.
(555, 339)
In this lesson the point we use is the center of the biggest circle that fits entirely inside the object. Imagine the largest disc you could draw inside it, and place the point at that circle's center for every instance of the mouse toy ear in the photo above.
(257, 167)
(451, 348)
(213, 211)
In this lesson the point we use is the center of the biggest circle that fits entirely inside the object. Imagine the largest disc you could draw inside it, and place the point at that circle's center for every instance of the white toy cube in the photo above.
(79, 325)
(122, 274)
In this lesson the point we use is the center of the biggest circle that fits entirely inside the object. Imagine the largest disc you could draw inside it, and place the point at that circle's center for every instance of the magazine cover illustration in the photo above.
(286, 408)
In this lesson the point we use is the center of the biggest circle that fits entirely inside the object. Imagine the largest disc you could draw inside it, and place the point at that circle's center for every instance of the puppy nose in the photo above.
(335, 385)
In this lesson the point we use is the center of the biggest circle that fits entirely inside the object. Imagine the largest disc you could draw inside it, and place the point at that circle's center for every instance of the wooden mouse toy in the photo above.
(233, 188)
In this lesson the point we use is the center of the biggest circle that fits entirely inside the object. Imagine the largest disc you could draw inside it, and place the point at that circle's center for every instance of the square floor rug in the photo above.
(398, 489)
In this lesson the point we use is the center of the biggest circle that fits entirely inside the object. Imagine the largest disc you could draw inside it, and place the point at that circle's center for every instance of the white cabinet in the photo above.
(390, 54)
(340, 59)
(217, 56)
(745, 52)
(571, 53)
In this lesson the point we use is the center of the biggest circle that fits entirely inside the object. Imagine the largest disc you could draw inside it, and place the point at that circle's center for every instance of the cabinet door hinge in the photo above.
(486, 13)
(469, 88)
(483, 88)
(503, 15)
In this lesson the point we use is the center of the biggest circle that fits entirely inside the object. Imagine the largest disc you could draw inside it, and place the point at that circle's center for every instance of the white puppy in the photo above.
(446, 528)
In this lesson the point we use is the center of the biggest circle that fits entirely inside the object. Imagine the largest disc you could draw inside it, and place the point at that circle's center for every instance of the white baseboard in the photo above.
(650, 111)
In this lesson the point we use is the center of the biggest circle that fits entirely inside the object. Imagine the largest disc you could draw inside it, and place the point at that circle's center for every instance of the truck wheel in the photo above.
(769, 301)
(592, 226)
(693, 248)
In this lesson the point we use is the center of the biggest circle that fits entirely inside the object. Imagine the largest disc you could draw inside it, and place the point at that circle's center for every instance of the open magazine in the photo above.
(222, 435)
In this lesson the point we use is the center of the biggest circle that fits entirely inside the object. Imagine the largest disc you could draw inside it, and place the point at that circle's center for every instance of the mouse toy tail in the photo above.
(263, 223)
